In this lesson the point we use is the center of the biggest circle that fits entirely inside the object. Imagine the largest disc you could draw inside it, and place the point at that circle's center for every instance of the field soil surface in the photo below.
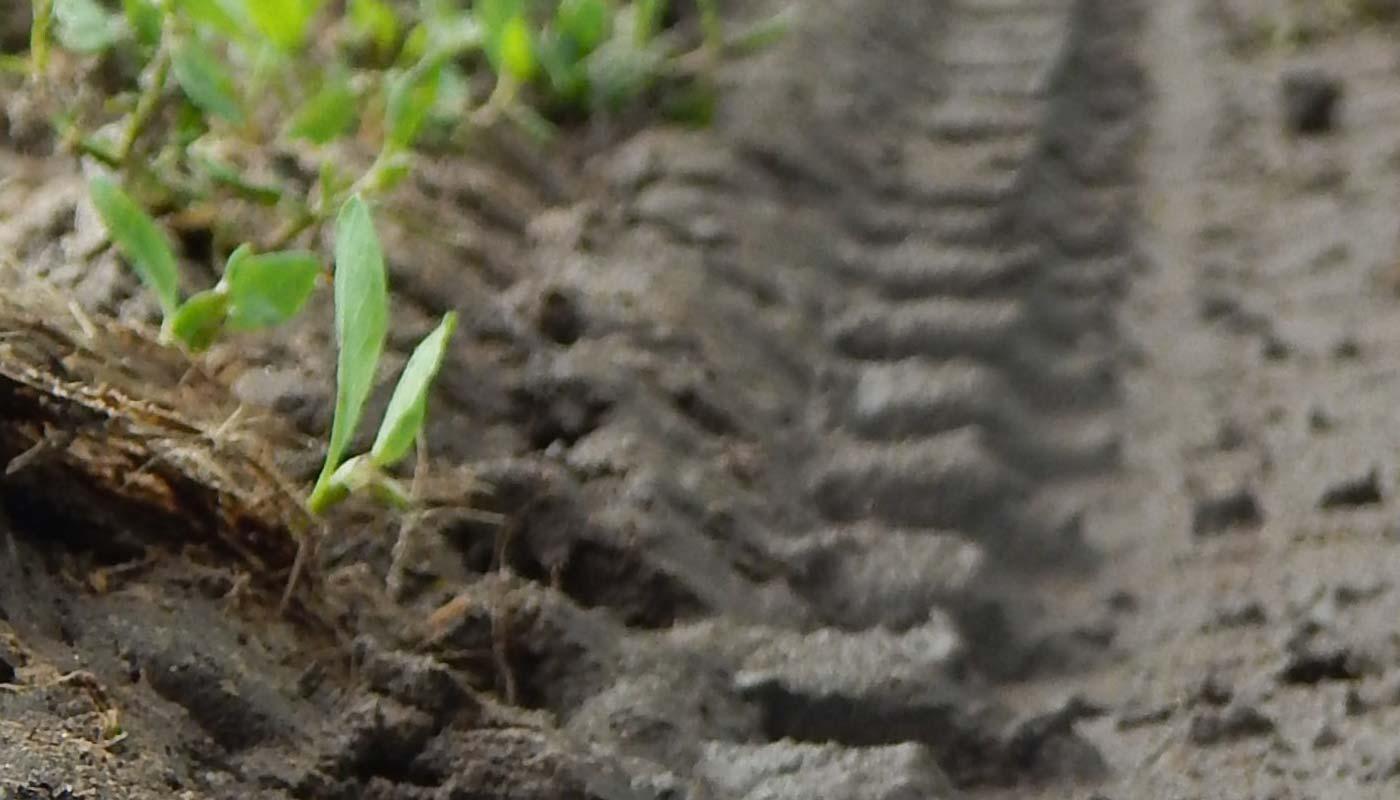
(1000, 400)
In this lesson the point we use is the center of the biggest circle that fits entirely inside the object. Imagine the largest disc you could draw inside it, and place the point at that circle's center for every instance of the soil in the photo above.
(994, 402)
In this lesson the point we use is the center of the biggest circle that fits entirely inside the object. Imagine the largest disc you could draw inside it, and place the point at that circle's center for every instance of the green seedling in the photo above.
(138, 238)
(256, 291)
(361, 324)
(329, 114)
(205, 82)
(285, 23)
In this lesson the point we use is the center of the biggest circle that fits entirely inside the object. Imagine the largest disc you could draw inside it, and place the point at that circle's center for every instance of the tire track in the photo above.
(979, 357)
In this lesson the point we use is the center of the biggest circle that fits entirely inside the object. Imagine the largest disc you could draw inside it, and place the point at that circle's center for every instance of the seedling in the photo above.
(256, 291)
(361, 324)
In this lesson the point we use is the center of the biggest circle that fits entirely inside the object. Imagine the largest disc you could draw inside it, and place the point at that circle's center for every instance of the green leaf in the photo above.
(328, 115)
(650, 14)
(492, 16)
(268, 289)
(517, 50)
(83, 26)
(585, 22)
(408, 407)
(285, 22)
(139, 239)
(691, 104)
(216, 16)
(411, 97)
(568, 81)
(196, 324)
(620, 72)
(205, 82)
(145, 18)
(374, 20)
(454, 94)
(361, 324)
(389, 171)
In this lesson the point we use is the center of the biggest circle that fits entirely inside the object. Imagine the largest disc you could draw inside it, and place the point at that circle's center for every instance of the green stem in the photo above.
(39, 37)
(159, 75)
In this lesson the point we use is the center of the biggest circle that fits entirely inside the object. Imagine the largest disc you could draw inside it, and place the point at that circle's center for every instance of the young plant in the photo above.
(361, 325)
(256, 291)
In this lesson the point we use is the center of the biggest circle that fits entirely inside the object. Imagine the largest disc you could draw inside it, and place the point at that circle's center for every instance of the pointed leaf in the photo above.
(650, 14)
(269, 289)
(411, 97)
(225, 17)
(205, 82)
(285, 22)
(329, 114)
(375, 20)
(145, 18)
(198, 321)
(492, 16)
(517, 48)
(361, 324)
(409, 405)
(139, 239)
(585, 22)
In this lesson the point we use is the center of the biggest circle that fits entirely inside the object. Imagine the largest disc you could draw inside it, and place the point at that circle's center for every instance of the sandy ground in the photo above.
(994, 403)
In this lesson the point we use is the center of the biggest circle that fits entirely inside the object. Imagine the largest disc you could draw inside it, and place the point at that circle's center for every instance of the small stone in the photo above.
(1234, 723)
(1310, 100)
(1326, 737)
(1240, 613)
(1360, 491)
(1214, 691)
(1234, 510)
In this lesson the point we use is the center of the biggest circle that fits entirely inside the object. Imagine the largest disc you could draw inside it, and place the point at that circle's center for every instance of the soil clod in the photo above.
(1361, 491)
(1233, 510)
(1240, 721)
(1310, 100)
(1314, 664)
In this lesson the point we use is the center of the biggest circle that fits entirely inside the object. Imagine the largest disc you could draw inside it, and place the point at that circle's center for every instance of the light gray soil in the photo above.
(993, 403)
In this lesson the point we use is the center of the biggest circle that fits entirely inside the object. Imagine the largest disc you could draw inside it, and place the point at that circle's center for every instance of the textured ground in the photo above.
(996, 402)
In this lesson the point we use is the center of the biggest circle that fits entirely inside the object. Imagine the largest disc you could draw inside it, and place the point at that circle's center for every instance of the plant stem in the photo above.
(39, 37)
(159, 73)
